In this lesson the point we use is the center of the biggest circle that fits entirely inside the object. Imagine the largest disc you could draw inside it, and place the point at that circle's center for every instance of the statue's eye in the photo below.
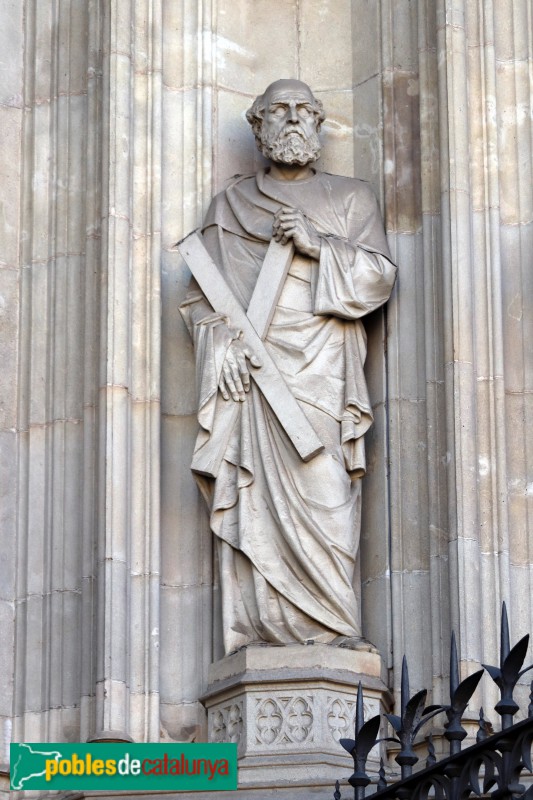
(277, 111)
(304, 111)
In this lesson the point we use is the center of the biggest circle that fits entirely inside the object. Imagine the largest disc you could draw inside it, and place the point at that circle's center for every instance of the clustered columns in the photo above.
(120, 121)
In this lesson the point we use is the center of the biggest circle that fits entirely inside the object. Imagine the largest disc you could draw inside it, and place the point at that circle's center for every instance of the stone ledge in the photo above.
(301, 657)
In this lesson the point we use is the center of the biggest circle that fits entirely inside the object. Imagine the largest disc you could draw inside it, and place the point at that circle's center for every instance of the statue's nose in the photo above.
(293, 114)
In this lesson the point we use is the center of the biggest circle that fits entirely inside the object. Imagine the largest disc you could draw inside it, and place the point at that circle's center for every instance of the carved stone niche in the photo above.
(287, 708)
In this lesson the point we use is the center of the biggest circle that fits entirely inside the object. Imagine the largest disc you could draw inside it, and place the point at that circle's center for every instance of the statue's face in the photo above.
(289, 130)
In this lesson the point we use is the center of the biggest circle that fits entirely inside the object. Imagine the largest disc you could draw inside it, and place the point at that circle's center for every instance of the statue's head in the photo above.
(286, 120)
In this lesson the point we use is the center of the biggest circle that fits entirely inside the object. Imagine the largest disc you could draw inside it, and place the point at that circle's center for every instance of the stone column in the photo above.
(81, 113)
(188, 154)
(11, 124)
(487, 205)
(53, 260)
(367, 138)
(414, 394)
(127, 699)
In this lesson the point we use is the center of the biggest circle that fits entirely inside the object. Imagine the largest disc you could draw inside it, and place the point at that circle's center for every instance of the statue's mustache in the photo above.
(292, 129)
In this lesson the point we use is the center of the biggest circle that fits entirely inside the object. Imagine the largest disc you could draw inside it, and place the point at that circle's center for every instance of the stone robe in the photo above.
(288, 531)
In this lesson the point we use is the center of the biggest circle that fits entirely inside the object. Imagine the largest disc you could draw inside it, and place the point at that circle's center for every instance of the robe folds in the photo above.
(288, 531)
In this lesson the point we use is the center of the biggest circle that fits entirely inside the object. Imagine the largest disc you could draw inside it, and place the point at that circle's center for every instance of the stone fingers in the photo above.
(235, 376)
(290, 232)
(232, 377)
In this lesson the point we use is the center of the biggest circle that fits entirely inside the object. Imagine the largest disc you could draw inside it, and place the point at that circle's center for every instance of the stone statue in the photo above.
(287, 529)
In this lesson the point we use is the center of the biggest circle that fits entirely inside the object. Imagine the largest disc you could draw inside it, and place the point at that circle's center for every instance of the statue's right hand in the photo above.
(235, 376)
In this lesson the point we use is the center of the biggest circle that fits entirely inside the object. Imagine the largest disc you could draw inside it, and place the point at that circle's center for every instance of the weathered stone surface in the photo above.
(288, 707)
(11, 123)
(260, 543)
(365, 61)
(315, 17)
(250, 51)
(119, 122)
(366, 134)
(401, 108)
(12, 76)
(9, 320)
(186, 559)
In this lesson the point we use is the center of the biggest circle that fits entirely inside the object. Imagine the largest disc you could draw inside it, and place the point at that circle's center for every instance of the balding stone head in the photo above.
(285, 120)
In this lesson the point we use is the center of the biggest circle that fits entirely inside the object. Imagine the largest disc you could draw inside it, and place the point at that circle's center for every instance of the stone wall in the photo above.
(120, 120)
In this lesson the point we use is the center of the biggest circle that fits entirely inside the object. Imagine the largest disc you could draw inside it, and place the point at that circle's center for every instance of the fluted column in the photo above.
(82, 417)
(485, 52)
(52, 466)
(414, 390)
(11, 125)
(127, 701)
(187, 570)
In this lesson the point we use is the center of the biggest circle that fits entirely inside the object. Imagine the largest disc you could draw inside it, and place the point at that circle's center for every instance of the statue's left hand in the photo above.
(292, 224)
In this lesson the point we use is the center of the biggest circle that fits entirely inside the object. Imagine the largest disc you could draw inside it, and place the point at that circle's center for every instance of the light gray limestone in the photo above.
(11, 118)
(288, 707)
(257, 539)
(314, 21)
(488, 184)
(248, 51)
(120, 120)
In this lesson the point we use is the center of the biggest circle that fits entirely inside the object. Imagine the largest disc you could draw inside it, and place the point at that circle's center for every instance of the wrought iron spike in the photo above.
(454, 666)
(337, 792)
(507, 674)
(497, 759)
(366, 734)
(404, 690)
(460, 696)
(432, 758)
(481, 732)
(505, 643)
(485, 728)
(359, 710)
(382, 780)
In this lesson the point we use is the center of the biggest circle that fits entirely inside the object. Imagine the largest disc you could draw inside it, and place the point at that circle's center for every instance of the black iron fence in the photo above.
(492, 767)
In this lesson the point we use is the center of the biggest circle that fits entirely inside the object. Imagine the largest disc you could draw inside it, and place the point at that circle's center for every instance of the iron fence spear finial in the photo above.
(507, 674)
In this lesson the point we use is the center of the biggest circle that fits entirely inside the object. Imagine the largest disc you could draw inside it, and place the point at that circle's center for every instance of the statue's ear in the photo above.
(256, 128)
(320, 113)
(254, 115)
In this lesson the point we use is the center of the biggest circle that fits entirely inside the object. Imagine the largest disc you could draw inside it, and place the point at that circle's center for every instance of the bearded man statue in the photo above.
(287, 531)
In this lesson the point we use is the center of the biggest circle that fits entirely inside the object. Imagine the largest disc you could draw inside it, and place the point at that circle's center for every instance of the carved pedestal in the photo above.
(287, 707)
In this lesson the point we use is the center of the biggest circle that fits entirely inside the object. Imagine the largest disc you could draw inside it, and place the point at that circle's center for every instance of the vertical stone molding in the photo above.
(120, 120)
(415, 398)
(189, 150)
(487, 200)
(127, 698)
(82, 436)
(367, 139)
(53, 254)
(11, 125)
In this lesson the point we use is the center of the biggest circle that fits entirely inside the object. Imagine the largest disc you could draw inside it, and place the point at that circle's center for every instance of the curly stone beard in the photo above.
(289, 147)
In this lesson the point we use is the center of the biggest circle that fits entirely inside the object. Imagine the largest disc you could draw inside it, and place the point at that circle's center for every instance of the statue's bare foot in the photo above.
(354, 643)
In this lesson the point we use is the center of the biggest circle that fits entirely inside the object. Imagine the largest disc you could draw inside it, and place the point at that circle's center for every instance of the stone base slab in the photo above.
(287, 708)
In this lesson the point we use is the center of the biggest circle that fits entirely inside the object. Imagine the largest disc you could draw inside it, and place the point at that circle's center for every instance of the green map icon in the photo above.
(30, 763)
